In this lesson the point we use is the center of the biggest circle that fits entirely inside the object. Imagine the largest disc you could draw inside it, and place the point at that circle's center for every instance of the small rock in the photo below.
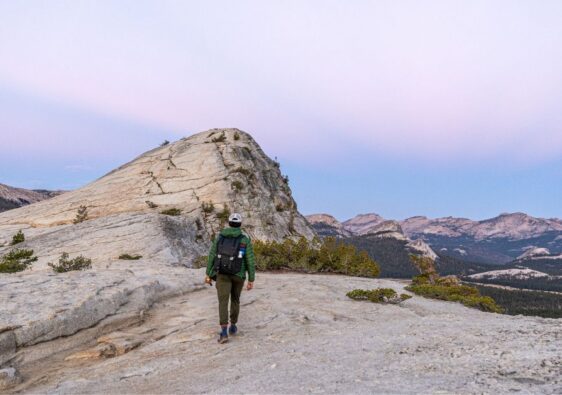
(9, 377)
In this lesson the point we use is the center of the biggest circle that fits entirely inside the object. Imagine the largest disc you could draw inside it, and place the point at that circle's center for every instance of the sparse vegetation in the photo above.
(174, 212)
(526, 302)
(128, 257)
(198, 224)
(378, 295)
(286, 180)
(430, 285)
(81, 215)
(200, 262)
(468, 296)
(236, 136)
(327, 256)
(279, 207)
(208, 207)
(243, 170)
(17, 260)
(221, 138)
(18, 238)
(164, 143)
(151, 204)
(224, 214)
(67, 265)
(237, 185)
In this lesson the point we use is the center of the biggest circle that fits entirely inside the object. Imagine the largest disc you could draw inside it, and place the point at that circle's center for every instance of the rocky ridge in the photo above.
(11, 197)
(369, 227)
(515, 226)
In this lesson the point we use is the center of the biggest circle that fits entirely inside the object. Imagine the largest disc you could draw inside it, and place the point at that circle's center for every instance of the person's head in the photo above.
(235, 220)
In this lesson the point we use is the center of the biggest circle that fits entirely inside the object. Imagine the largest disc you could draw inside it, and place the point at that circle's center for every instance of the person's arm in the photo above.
(211, 260)
(250, 263)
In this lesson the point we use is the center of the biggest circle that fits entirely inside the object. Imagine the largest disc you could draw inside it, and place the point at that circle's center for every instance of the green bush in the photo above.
(469, 296)
(243, 170)
(128, 257)
(81, 215)
(17, 260)
(327, 256)
(378, 295)
(67, 265)
(220, 139)
(208, 207)
(430, 285)
(200, 262)
(237, 185)
(18, 238)
(224, 214)
(174, 212)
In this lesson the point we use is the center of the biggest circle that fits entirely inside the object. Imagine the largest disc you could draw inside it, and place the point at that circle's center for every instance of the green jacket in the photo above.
(248, 262)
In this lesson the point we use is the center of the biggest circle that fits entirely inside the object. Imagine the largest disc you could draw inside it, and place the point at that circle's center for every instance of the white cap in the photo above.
(235, 217)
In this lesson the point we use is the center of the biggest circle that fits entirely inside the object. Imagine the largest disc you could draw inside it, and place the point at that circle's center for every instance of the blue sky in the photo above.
(397, 107)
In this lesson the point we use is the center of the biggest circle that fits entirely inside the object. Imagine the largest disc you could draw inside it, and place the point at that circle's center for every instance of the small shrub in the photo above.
(128, 257)
(236, 136)
(468, 296)
(200, 262)
(243, 170)
(237, 186)
(67, 265)
(164, 143)
(224, 214)
(221, 138)
(327, 256)
(81, 215)
(378, 295)
(279, 207)
(286, 180)
(208, 207)
(17, 260)
(18, 238)
(174, 212)
(430, 285)
(151, 204)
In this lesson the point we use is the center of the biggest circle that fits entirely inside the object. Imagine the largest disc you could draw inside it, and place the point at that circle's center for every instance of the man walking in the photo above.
(231, 256)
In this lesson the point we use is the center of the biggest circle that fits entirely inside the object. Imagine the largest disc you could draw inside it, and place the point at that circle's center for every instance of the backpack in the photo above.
(227, 260)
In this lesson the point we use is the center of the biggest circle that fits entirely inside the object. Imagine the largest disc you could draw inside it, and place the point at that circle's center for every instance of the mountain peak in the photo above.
(204, 176)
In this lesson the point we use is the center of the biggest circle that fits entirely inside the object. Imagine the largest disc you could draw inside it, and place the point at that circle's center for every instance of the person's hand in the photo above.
(208, 280)
(250, 285)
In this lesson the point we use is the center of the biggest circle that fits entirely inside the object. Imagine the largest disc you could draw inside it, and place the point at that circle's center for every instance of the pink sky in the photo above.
(455, 84)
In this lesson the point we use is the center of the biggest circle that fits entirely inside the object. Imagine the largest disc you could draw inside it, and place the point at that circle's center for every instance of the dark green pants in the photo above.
(229, 286)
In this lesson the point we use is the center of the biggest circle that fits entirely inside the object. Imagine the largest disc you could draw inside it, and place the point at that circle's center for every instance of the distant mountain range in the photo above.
(497, 240)
(11, 197)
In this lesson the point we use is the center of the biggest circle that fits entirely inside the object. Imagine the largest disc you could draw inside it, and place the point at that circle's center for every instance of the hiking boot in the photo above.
(223, 338)
(233, 329)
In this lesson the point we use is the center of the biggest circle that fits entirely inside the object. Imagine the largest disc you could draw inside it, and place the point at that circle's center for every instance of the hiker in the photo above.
(231, 256)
